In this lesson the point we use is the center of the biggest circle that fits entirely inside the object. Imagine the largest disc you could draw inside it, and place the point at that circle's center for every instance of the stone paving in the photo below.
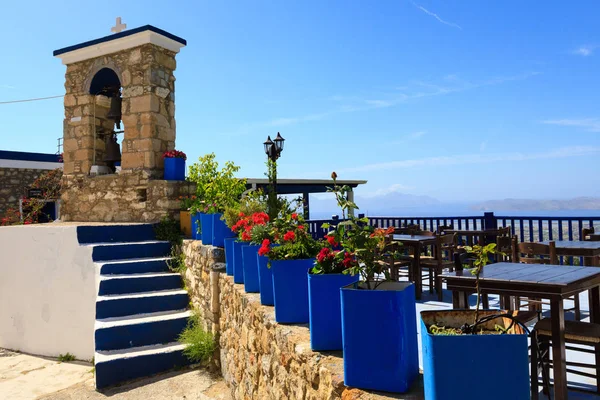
(27, 377)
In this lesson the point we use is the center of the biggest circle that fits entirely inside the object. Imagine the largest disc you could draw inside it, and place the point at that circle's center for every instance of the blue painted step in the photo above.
(137, 283)
(121, 251)
(135, 266)
(118, 366)
(115, 233)
(140, 303)
(144, 330)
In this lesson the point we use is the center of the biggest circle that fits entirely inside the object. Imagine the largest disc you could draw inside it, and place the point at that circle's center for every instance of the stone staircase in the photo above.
(141, 307)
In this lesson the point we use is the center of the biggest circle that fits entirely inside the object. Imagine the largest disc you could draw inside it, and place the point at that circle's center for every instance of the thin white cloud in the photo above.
(585, 51)
(563, 152)
(416, 135)
(7, 87)
(434, 15)
(391, 99)
(589, 124)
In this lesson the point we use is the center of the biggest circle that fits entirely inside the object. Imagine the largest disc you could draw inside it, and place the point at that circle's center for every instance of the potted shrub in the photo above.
(490, 344)
(265, 274)
(185, 214)
(218, 189)
(376, 312)
(174, 161)
(252, 202)
(252, 230)
(290, 262)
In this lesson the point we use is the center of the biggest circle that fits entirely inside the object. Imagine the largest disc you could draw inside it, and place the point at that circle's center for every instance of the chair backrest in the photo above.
(445, 246)
(505, 244)
(441, 228)
(536, 253)
(504, 231)
(411, 229)
(587, 231)
(426, 233)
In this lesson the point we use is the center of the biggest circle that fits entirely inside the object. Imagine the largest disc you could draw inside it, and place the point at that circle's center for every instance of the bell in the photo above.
(113, 152)
(115, 110)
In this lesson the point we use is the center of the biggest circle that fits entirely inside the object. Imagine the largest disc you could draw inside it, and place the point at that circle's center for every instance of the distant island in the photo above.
(578, 203)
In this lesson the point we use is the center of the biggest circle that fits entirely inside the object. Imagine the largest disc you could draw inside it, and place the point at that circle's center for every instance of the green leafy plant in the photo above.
(187, 202)
(253, 202)
(177, 261)
(200, 343)
(66, 357)
(482, 258)
(216, 189)
(363, 247)
(168, 230)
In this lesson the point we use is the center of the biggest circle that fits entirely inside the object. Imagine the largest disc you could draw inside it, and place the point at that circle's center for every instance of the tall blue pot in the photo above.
(238, 264)
(265, 281)
(490, 359)
(220, 231)
(174, 169)
(229, 255)
(290, 290)
(324, 306)
(206, 220)
(250, 265)
(379, 332)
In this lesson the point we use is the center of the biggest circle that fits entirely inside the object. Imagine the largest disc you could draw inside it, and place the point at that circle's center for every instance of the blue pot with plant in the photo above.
(290, 290)
(196, 226)
(250, 266)
(206, 221)
(229, 243)
(238, 263)
(220, 230)
(174, 165)
(265, 280)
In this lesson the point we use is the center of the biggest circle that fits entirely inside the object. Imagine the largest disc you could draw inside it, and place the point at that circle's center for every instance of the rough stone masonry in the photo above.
(259, 358)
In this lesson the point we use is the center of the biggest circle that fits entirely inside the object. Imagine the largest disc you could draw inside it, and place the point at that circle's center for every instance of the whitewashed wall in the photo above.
(47, 291)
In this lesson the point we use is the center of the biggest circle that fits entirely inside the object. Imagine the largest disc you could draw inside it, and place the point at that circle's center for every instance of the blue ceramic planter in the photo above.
(238, 265)
(325, 309)
(196, 227)
(206, 221)
(174, 169)
(490, 359)
(290, 290)
(387, 319)
(265, 281)
(220, 231)
(250, 265)
(229, 255)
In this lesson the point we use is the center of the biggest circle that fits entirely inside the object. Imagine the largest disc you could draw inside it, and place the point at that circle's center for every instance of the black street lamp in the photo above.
(273, 149)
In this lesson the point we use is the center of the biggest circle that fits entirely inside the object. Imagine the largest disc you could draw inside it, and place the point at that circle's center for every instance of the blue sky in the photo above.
(464, 100)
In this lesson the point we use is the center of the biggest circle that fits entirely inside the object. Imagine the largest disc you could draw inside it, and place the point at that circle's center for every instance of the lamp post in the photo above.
(273, 149)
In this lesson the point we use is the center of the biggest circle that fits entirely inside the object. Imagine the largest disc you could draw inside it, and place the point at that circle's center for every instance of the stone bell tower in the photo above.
(134, 69)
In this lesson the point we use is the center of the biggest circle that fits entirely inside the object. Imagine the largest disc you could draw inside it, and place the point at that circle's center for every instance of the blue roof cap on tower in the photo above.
(119, 36)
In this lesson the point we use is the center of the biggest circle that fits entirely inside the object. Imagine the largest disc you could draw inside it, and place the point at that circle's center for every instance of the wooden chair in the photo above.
(538, 253)
(583, 334)
(442, 228)
(443, 251)
(397, 265)
(411, 229)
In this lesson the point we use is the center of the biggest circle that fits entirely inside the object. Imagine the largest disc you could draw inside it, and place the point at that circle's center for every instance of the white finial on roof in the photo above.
(118, 26)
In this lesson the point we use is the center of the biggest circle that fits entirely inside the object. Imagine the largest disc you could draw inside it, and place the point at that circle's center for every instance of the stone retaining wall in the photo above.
(13, 182)
(260, 359)
(127, 197)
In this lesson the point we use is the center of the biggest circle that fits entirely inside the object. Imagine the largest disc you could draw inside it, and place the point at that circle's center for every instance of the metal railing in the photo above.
(527, 229)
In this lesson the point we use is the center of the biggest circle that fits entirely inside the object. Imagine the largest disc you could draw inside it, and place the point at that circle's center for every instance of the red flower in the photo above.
(264, 248)
(241, 215)
(289, 236)
(348, 260)
(323, 254)
(174, 154)
(294, 216)
(331, 241)
(246, 236)
(301, 227)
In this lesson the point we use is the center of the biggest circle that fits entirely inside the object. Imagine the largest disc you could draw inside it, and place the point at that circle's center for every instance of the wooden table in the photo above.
(552, 282)
(417, 242)
(470, 234)
(578, 248)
